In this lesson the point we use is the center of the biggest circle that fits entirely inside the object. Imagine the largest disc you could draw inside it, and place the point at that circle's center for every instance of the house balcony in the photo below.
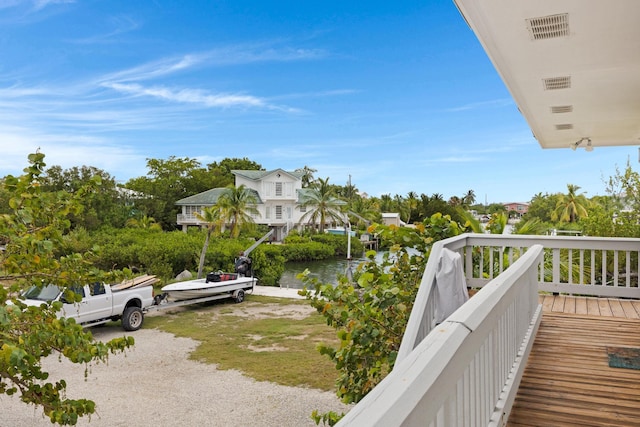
(189, 219)
(536, 345)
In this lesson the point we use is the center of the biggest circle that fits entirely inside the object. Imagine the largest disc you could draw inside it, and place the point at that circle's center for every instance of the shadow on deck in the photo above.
(568, 381)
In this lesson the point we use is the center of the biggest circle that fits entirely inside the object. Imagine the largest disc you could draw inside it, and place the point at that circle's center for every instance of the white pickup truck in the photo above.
(99, 304)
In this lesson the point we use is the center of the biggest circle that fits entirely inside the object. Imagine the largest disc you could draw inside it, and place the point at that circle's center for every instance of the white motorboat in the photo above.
(199, 288)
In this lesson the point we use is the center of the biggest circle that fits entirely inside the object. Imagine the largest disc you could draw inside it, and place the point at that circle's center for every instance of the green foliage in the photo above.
(33, 231)
(164, 254)
(321, 204)
(371, 313)
(268, 264)
(307, 251)
(338, 243)
(105, 205)
(571, 206)
(606, 223)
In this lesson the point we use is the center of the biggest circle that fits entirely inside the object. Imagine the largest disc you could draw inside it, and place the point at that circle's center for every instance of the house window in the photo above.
(303, 209)
(191, 211)
(278, 212)
(289, 212)
(278, 189)
(267, 212)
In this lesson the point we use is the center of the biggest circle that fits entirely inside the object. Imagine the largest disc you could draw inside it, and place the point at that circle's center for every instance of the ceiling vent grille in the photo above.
(565, 126)
(549, 27)
(555, 83)
(562, 109)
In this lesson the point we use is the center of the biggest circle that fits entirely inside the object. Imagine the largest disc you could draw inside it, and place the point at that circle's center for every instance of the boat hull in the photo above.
(200, 288)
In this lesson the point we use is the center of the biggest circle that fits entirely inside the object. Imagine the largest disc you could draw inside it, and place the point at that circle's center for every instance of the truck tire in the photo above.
(239, 296)
(132, 318)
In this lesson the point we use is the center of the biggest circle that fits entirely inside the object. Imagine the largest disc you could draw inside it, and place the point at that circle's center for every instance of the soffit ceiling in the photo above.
(572, 66)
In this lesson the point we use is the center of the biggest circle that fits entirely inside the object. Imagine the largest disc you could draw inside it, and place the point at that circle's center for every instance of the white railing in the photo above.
(467, 370)
(190, 218)
(573, 265)
(595, 266)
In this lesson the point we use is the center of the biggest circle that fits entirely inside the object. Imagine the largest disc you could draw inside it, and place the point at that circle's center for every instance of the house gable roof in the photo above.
(258, 175)
(206, 198)
(209, 198)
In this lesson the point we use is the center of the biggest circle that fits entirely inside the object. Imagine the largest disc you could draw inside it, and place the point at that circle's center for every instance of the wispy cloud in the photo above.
(154, 69)
(119, 25)
(225, 56)
(41, 4)
(482, 105)
(320, 94)
(190, 96)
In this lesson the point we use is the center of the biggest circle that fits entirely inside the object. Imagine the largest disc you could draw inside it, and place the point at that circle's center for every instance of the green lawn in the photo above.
(269, 339)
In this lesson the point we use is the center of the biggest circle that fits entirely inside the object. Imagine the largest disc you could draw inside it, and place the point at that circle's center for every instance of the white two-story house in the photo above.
(278, 193)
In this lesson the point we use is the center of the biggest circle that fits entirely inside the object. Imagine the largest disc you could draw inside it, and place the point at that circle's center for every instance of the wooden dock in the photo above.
(568, 381)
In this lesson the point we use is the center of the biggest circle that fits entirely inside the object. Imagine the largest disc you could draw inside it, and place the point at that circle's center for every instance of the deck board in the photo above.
(568, 381)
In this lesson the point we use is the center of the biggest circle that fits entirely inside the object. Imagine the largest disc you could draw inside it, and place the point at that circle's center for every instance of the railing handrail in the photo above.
(467, 370)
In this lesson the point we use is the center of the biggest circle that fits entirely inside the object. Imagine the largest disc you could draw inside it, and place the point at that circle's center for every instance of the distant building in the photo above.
(520, 208)
(277, 191)
(392, 218)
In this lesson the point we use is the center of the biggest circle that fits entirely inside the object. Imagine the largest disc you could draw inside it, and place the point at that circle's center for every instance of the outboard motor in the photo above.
(243, 265)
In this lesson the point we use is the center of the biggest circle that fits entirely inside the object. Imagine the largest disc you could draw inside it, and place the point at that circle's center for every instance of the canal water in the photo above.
(325, 271)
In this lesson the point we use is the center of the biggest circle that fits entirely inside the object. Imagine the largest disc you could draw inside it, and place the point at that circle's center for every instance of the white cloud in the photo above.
(482, 105)
(41, 4)
(68, 150)
(191, 96)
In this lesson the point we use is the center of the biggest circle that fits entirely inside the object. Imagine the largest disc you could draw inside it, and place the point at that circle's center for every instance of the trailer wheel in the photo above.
(239, 296)
(132, 318)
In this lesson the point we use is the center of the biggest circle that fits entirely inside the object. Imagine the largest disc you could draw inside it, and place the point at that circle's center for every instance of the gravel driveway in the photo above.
(155, 384)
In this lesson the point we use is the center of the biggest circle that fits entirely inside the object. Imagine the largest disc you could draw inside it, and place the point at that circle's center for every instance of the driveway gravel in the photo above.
(155, 384)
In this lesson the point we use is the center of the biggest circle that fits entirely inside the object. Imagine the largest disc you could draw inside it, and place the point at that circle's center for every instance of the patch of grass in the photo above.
(260, 337)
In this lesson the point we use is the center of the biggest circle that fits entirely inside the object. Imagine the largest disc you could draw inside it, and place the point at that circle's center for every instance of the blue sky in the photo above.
(398, 95)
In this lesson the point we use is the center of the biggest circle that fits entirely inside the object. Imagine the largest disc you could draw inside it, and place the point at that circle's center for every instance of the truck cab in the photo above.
(99, 303)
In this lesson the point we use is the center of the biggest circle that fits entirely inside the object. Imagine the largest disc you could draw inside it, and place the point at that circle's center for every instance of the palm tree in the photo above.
(212, 219)
(571, 206)
(469, 198)
(145, 221)
(307, 175)
(412, 206)
(455, 201)
(321, 204)
(236, 205)
(385, 203)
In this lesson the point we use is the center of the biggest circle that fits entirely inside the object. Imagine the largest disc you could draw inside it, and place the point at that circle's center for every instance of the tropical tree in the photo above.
(321, 205)
(144, 221)
(107, 205)
(624, 188)
(371, 313)
(469, 198)
(455, 201)
(237, 205)
(497, 223)
(571, 206)
(211, 217)
(32, 233)
(307, 176)
(412, 203)
(386, 203)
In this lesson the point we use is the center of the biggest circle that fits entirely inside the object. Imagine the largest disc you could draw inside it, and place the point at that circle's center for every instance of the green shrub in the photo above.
(339, 243)
(268, 263)
(310, 251)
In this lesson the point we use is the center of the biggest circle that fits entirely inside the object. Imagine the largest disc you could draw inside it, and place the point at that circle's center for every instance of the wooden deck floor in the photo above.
(568, 381)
